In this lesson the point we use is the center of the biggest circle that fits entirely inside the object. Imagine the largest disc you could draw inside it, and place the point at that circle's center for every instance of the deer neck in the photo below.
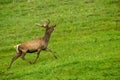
(47, 36)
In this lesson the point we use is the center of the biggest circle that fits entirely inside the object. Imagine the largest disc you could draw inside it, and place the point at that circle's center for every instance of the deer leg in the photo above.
(38, 53)
(53, 53)
(13, 59)
(23, 57)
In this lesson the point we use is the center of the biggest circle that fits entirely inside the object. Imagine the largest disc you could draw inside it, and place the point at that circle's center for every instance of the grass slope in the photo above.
(87, 39)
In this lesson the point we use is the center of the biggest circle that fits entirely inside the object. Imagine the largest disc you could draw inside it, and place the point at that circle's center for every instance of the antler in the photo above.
(45, 25)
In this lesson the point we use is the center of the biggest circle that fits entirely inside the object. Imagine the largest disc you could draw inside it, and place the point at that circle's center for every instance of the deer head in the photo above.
(49, 29)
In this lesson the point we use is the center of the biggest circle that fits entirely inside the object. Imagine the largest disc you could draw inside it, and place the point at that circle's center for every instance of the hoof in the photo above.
(8, 68)
(55, 57)
(30, 62)
(33, 62)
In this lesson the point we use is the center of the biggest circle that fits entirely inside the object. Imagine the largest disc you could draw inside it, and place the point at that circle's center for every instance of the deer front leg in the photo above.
(53, 53)
(38, 53)
(23, 57)
(13, 59)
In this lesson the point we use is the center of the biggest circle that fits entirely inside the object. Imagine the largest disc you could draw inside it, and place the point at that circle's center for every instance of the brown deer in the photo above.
(35, 45)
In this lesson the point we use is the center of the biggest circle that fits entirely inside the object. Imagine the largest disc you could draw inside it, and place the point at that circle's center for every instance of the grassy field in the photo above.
(86, 39)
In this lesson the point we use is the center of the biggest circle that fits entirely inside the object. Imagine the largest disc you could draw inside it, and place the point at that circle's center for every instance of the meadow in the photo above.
(86, 39)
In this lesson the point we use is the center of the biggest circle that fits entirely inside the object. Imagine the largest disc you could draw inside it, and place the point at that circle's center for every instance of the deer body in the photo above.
(35, 45)
(32, 46)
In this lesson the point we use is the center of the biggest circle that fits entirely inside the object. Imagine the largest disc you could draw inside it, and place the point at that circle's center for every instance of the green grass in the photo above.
(86, 39)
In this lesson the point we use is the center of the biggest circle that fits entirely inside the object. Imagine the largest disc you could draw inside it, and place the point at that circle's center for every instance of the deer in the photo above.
(36, 45)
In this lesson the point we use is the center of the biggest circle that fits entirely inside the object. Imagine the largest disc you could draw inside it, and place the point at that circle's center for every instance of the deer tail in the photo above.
(17, 48)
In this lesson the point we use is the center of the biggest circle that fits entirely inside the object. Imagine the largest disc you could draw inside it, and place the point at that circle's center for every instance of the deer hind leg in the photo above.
(38, 53)
(23, 57)
(53, 53)
(13, 59)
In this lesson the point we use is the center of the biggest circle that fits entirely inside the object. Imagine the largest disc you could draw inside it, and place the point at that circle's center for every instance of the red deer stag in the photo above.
(35, 45)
